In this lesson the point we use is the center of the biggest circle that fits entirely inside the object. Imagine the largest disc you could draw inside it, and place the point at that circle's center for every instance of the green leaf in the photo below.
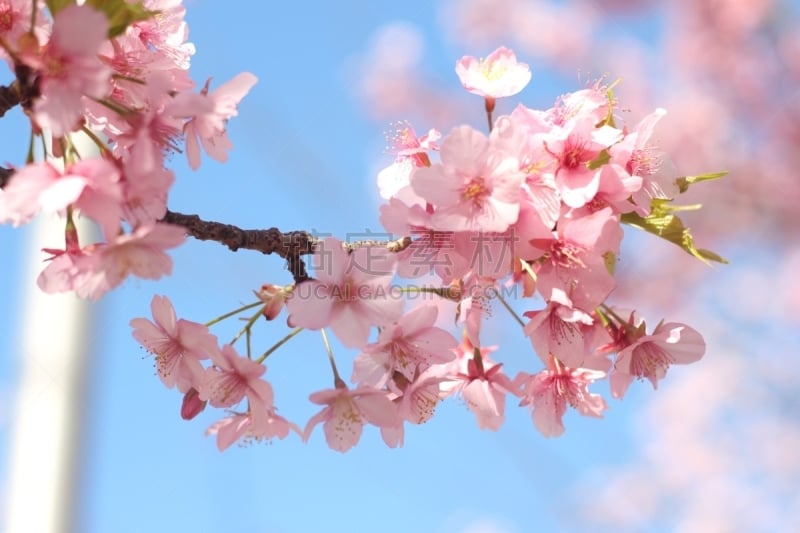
(684, 181)
(121, 14)
(602, 158)
(57, 5)
(610, 260)
(663, 221)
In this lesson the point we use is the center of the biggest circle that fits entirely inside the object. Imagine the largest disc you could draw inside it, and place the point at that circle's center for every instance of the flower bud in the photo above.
(192, 405)
(274, 296)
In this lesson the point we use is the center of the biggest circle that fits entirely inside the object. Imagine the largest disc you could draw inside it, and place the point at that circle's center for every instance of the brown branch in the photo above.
(5, 176)
(9, 97)
(289, 246)
(21, 91)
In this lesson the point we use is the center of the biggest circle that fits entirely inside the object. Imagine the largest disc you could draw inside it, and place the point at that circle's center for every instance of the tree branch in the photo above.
(290, 245)
(9, 97)
(21, 91)
(5, 176)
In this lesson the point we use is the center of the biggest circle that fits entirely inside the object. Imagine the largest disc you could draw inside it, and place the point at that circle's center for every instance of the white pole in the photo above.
(44, 480)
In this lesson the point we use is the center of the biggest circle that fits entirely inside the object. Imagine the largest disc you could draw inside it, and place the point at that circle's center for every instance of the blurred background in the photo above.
(714, 449)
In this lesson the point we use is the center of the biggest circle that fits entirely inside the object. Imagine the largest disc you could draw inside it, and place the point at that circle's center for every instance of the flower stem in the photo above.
(232, 313)
(337, 380)
(489, 101)
(246, 328)
(508, 307)
(278, 344)
(97, 141)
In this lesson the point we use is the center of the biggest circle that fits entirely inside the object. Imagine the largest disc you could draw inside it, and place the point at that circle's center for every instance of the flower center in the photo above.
(492, 71)
(6, 17)
(475, 191)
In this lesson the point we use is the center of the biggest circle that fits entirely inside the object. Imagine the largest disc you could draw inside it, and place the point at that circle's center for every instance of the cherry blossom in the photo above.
(411, 152)
(480, 382)
(15, 19)
(496, 76)
(350, 294)
(576, 260)
(238, 426)
(91, 185)
(177, 344)
(408, 346)
(559, 329)
(208, 122)
(231, 378)
(550, 391)
(475, 188)
(98, 268)
(650, 356)
(346, 412)
(70, 68)
(166, 33)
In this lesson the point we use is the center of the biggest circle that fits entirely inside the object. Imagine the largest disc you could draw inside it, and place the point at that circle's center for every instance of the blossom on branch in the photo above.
(70, 68)
(346, 413)
(177, 344)
(496, 76)
(350, 292)
(550, 391)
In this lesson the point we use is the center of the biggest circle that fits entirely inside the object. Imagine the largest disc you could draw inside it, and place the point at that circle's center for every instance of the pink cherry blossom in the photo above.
(476, 187)
(232, 378)
(347, 411)
(430, 250)
(98, 268)
(550, 391)
(167, 32)
(475, 306)
(91, 185)
(640, 160)
(575, 260)
(480, 382)
(70, 68)
(650, 356)
(411, 152)
(496, 76)
(351, 293)
(177, 344)
(408, 346)
(560, 329)
(574, 146)
(15, 20)
(420, 397)
(238, 426)
(208, 122)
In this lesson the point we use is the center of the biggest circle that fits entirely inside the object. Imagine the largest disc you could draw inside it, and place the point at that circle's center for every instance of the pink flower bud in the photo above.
(274, 297)
(192, 405)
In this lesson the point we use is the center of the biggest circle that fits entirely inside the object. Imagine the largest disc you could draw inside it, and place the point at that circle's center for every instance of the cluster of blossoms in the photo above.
(80, 73)
(534, 205)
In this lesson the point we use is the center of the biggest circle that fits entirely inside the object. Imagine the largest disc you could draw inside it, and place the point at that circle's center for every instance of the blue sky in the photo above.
(303, 159)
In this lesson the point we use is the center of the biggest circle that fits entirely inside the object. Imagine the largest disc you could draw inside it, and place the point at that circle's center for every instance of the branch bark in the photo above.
(290, 246)
(9, 97)
(5, 176)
